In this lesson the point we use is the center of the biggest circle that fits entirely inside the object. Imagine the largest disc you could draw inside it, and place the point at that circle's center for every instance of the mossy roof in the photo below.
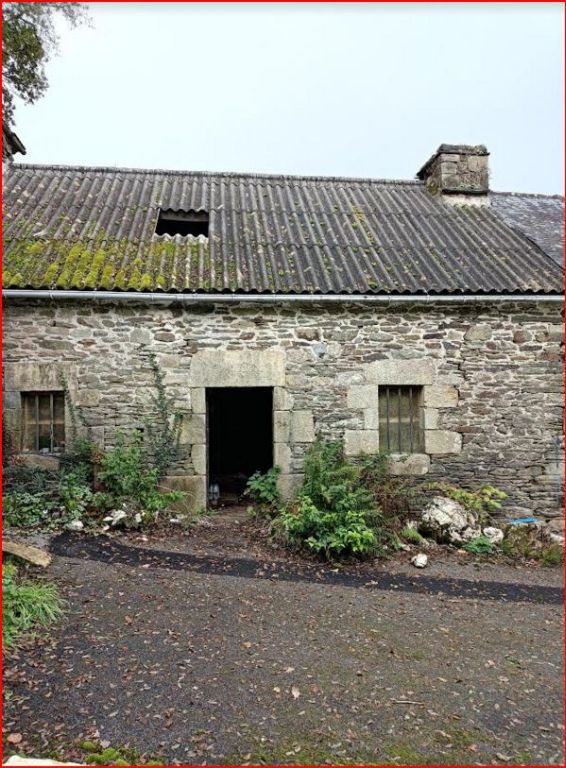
(94, 229)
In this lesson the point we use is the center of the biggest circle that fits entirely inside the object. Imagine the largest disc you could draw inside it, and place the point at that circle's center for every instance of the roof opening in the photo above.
(182, 223)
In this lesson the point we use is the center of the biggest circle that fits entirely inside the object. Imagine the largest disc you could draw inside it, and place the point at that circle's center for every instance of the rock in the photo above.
(75, 525)
(495, 535)
(115, 516)
(449, 522)
(556, 525)
(556, 538)
(420, 560)
(25, 552)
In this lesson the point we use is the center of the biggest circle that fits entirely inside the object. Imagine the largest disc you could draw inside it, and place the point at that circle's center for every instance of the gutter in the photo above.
(246, 298)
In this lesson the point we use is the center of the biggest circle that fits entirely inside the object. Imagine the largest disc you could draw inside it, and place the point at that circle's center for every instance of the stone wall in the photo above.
(491, 377)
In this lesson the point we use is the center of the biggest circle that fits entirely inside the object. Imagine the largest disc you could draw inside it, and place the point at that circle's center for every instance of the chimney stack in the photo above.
(459, 173)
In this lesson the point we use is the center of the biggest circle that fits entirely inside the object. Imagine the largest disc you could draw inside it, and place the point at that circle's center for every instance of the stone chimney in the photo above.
(459, 173)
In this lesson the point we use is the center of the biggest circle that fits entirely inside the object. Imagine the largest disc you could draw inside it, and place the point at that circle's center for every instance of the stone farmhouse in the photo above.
(422, 318)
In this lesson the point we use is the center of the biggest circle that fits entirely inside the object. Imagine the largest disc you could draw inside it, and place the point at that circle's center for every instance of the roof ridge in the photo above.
(219, 174)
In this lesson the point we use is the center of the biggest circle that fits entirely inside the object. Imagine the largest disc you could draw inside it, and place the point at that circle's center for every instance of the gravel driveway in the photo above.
(197, 665)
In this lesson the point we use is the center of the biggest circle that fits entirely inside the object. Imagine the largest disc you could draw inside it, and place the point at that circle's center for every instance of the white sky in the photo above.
(325, 89)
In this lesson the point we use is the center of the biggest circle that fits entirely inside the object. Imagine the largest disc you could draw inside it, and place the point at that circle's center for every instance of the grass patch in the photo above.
(26, 605)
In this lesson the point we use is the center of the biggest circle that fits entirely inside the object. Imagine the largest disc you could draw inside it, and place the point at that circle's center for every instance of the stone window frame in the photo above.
(23, 377)
(436, 395)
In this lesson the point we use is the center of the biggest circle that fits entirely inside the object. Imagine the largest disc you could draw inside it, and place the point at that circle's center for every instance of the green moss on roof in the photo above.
(102, 264)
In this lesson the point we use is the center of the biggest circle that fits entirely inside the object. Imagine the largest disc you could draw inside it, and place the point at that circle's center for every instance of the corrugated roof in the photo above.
(539, 217)
(93, 228)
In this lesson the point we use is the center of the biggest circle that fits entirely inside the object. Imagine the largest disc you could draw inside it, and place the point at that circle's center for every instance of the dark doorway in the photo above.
(240, 436)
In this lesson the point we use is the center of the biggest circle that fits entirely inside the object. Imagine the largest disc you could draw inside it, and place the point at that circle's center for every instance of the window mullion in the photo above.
(37, 423)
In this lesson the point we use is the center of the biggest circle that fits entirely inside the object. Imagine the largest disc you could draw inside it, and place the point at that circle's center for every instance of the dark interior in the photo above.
(240, 436)
(182, 223)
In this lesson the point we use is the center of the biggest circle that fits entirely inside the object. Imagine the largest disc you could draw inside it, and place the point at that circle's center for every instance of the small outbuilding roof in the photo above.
(94, 228)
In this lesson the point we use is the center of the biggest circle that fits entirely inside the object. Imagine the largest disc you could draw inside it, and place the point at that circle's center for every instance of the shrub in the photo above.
(130, 490)
(481, 545)
(25, 510)
(483, 503)
(75, 493)
(337, 532)
(412, 535)
(528, 543)
(333, 508)
(25, 604)
(164, 429)
(263, 492)
(393, 495)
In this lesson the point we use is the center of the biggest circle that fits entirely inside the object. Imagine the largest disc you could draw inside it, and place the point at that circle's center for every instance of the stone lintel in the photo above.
(237, 368)
(418, 372)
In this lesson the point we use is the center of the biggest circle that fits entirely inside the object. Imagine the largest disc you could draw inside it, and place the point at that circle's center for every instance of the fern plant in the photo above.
(164, 430)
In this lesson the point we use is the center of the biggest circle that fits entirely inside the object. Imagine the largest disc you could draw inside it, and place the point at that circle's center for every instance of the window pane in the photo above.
(58, 438)
(405, 425)
(29, 423)
(44, 409)
(45, 438)
(58, 407)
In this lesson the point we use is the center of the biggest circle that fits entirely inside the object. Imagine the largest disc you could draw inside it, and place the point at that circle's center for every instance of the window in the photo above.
(400, 419)
(182, 223)
(43, 421)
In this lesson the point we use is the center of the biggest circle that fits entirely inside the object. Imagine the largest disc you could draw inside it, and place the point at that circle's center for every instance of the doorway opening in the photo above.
(240, 437)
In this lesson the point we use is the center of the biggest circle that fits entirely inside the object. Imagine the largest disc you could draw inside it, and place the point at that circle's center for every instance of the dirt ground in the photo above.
(201, 649)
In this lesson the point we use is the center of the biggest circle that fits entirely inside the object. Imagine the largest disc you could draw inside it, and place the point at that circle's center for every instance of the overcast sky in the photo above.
(337, 89)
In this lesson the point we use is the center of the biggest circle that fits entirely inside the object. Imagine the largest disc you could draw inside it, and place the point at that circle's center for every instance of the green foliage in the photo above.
(21, 509)
(29, 38)
(75, 493)
(411, 535)
(164, 430)
(55, 499)
(481, 545)
(333, 507)
(393, 495)
(25, 604)
(263, 492)
(525, 542)
(483, 503)
(129, 487)
(337, 532)
(112, 755)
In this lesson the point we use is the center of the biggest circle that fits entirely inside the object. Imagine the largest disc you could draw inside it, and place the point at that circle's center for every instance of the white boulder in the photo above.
(495, 535)
(75, 525)
(115, 516)
(448, 521)
(420, 560)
